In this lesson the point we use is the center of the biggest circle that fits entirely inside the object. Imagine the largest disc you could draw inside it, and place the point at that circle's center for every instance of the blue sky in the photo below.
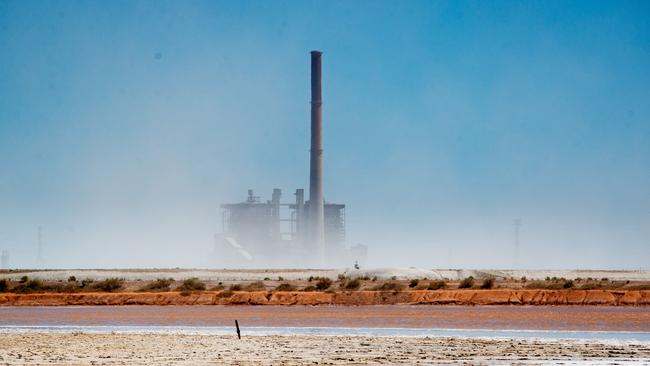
(124, 125)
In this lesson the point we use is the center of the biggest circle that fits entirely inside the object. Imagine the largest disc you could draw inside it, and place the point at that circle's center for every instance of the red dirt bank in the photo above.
(438, 297)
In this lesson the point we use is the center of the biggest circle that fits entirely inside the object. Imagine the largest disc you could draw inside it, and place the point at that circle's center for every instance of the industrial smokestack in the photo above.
(316, 209)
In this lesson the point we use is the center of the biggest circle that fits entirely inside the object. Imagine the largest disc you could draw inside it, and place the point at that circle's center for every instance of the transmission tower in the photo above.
(40, 246)
(516, 224)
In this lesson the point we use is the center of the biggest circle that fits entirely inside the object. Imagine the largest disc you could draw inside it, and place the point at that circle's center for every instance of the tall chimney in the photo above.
(316, 209)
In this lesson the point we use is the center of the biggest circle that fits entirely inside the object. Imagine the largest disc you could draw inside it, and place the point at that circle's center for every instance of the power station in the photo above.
(301, 233)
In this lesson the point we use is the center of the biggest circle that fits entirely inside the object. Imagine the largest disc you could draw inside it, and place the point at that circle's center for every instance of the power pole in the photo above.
(516, 223)
(4, 259)
(40, 246)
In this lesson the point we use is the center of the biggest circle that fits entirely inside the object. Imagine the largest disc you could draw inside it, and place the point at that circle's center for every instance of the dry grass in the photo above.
(71, 284)
(255, 286)
(638, 287)
(225, 293)
(389, 286)
(551, 284)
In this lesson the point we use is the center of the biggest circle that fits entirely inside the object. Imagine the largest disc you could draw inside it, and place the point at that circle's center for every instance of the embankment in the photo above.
(437, 297)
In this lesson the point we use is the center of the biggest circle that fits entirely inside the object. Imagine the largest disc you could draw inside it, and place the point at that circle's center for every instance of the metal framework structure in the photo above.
(257, 226)
(315, 230)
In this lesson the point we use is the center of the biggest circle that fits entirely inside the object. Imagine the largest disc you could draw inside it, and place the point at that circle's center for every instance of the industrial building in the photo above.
(296, 234)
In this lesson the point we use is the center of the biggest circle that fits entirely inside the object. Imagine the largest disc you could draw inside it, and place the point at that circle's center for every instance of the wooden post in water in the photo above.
(237, 326)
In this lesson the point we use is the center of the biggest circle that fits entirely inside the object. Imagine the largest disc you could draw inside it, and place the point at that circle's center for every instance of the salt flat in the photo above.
(76, 348)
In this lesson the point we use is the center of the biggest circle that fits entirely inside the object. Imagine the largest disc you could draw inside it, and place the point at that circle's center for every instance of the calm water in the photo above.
(583, 322)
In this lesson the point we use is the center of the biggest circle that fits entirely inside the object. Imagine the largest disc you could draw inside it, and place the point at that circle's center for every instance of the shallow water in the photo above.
(575, 322)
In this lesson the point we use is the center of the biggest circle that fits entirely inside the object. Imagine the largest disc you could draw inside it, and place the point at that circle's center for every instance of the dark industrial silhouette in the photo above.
(291, 234)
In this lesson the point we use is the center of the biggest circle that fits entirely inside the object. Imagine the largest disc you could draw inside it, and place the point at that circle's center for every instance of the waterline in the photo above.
(337, 331)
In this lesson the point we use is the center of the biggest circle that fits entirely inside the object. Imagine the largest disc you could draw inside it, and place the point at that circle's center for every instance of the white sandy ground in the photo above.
(298, 274)
(38, 348)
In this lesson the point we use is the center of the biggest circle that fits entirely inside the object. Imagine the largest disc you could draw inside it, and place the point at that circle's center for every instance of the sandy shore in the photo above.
(31, 348)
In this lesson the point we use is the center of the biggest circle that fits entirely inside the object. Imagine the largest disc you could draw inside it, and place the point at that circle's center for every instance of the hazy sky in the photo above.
(124, 125)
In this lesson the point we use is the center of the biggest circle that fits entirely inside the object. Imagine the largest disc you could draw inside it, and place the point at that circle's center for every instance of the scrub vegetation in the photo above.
(72, 284)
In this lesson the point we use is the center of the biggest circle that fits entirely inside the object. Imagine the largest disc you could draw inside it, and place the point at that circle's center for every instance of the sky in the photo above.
(125, 124)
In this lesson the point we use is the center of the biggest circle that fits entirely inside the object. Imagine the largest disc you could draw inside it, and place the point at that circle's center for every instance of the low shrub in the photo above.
(352, 284)
(467, 282)
(30, 286)
(553, 285)
(593, 285)
(414, 283)
(285, 287)
(161, 284)
(109, 284)
(323, 283)
(4, 285)
(436, 285)
(23, 279)
(72, 279)
(235, 287)
(543, 285)
(86, 283)
(255, 286)
(487, 284)
(67, 288)
(309, 289)
(389, 286)
(191, 284)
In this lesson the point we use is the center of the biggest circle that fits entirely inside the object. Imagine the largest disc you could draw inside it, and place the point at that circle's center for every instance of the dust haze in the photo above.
(123, 131)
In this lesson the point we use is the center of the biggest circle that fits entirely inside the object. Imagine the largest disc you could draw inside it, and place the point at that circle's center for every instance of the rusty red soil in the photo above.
(437, 297)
